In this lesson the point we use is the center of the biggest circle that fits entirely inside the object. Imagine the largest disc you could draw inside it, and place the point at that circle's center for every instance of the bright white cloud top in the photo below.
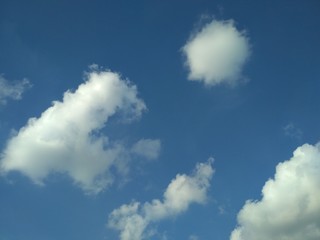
(65, 138)
(217, 53)
(12, 91)
(132, 220)
(290, 206)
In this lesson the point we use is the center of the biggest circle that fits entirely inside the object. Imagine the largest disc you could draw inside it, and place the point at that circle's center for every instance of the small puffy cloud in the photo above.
(12, 90)
(132, 220)
(217, 53)
(290, 204)
(148, 148)
(66, 139)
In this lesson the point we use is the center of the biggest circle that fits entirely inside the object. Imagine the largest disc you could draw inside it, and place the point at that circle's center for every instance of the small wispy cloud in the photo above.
(194, 237)
(12, 90)
(133, 220)
(222, 210)
(217, 53)
(147, 148)
(292, 131)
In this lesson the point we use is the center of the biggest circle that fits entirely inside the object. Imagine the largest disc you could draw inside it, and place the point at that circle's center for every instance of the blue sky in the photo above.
(132, 100)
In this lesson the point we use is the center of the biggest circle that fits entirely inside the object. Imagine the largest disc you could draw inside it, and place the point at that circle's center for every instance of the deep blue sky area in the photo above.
(243, 127)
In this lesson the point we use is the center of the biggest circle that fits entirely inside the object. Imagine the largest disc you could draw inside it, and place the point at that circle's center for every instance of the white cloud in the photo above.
(12, 90)
(148, 148)
(132, 220)
(290, 204)
(66, 139)
(217, 53)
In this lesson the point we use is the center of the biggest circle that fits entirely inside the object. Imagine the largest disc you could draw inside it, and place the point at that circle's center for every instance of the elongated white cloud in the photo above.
(290, 204)
(132, 220)
(12, 90)
(217, 53)
(66, 139)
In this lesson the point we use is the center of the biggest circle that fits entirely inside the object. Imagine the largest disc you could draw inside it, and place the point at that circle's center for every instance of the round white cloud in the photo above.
(217, 53)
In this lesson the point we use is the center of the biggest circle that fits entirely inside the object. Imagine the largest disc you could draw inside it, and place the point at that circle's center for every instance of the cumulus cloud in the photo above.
(217, 53)
(12, 90)
(290, 204)
(148, 148)
(66, 138)
(132, 220)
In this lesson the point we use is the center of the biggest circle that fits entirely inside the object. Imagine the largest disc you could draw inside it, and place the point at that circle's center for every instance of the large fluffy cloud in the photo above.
(132, 220)
(217, 53)
(12, 90)
(66, 138)
(290, 205)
